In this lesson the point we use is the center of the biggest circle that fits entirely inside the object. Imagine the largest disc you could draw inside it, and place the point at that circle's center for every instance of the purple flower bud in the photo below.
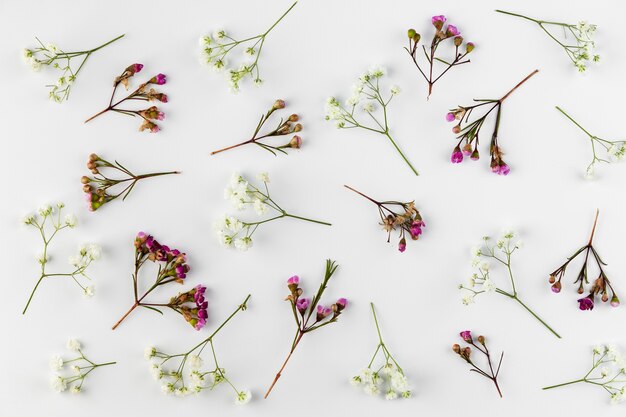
(504, 169)
(159, 79)
(402, 245)
(137, 67)
(438, 21)
(457, 156)
(293, 280)
(586, 303)
(451, 30)
(341, 303)
(416, 228)
(450, 117)
(322, 312)
(302, 304)
(614, 301)
(466, 335)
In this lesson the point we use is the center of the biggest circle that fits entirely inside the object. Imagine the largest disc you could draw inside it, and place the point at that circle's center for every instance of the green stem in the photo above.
(107, 43)
(518, 15)
(279, 19)
(307, 219)
(401, 153)
(535, 316)
(574, 121)
(33, 293)
(564, 384)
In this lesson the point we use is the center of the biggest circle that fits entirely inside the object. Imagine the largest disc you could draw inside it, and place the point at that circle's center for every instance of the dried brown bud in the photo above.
(293, 118)
(458, 40)
(87, 188)
(91, 165)
(295, 142)
(456, 348)
(85, 180)
(278, 104)
(605, 297)
(456, 129)
(94, 157)
(297, 127)
(481, 340)
(551, 279)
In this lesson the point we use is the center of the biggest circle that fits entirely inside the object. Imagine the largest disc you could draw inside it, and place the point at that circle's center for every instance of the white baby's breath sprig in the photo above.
(373, 104)
(52, 56)
(242, 194)
(78, 366)
(49, 222)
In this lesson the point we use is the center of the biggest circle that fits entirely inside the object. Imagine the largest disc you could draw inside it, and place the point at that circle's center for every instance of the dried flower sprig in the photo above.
(96, 187)
(466, 354)
(480, 282)
(216, 49)
(389, 376)
(242, 194)
(615, 149)
(187, 376)
(79, 366)
(173, 267)
(581, 52)
(608, 371)
(366, 90)
(407, 222)
(440, 36)
(470, 132)
(285, 127)
(51, 55)
(601, 285)
(309, 314)
(48, 223)
(143, 93)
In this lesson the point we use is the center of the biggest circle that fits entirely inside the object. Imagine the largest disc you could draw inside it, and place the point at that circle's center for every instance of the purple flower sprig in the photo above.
(409, 222)
(465, 353)
(601, 285)
(143, 93)
(469, 131)
(96, 188)
(450, 32)
(285, 127)
(173, 267)
(309, 314)
(188, 375)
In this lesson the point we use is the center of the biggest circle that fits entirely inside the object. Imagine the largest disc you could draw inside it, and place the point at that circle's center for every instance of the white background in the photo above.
(317, 51)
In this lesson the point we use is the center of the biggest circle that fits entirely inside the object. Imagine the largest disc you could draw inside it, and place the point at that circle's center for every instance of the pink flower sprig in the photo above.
(601, 285)
(143, 93)
(468, 132)
(184, 373)
(450, 32)
(285, 127)
(465, 353)
(309, 314)
(409, 222)
(173, 267)
(96, 188)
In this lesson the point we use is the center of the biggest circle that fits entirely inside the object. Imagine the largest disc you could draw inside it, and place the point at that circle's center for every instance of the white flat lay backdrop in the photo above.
(317, 51)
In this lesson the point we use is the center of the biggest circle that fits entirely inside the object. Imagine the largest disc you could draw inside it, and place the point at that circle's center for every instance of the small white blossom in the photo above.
(395, 90)
(73, 345)
(28, 219)
(76, 389)
(70, 220)
(244, 243)
(150, 352)
(89, 291)
(264, 177)
(195, 362)
(243, 397)
(56, 363)
(45, 210)
(58, 383)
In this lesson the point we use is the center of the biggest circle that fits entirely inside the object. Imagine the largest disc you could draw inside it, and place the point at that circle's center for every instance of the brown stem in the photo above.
(233, 146)
(98, 114)
(495, 381)
(363, 195)
(157, 174)
(134, 306)
(593, 230)
(284, 364)
(518, 85)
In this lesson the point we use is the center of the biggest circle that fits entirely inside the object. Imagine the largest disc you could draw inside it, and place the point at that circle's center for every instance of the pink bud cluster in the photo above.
(304, 307)
(175, 268)
(195, 315)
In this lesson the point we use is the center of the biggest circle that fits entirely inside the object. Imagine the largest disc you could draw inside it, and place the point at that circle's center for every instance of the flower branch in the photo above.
(466, 354)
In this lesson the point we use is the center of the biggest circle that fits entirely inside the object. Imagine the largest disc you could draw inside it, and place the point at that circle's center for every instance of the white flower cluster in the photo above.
(78, 367)
(48, 55)
(215, 49)
(583, 53)
(241, 194)
(173, 382)
(366, 91)
(615, 149)
(481, 281)
(389, 381)
(609, 372)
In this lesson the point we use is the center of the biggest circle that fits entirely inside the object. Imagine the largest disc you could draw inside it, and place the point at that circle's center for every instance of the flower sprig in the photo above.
(242, 194)
(216, 50)
(143, 93)
(187, 376)
(615, 149)
(367, 91)
(96, 188)
(481, 281)
(468, 134)
(580, 52)
(309, 314)
(601, 285)
(52, 56)
(173, 267)
(80, 367)
(48, 223)
(409, 221)
(441, 35)
(608, 371)
(285, 127)
(389, 376)
(466, 354)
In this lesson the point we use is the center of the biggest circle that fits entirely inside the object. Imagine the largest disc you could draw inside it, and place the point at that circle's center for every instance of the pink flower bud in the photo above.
(294, 280)
(466, 335)
(457, 156)
(450, 117)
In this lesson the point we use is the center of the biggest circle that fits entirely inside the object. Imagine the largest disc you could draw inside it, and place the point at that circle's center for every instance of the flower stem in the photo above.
(307, 219)
(293, 348)
(574, 121)
(134, 306)
(564, 384)
(279, 19)
(378, 203)
(518, 85)
(518, 15)
(233, 146)
(33, 293)
(536, 316)
(593, 230)
(401, 153)
(157, 174)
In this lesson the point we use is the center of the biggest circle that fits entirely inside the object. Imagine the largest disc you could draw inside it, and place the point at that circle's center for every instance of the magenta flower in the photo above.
(322, 312)
(158, 79)
(294, 280)
(466, 335)
(438, 21)
(457, 156)
(502, 169)
(586, 303)
(450, 117)
(402, 245)
(416, 228)
(302, 304)
(137, 67)
(341, 304)
(452, 31)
